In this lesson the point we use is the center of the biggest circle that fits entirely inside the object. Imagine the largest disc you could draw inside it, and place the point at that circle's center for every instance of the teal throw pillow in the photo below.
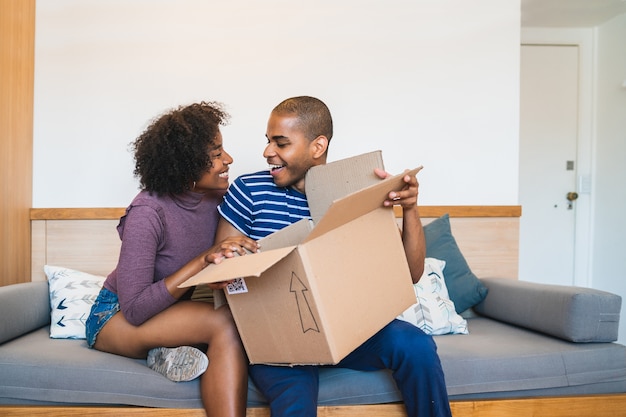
(464, 288)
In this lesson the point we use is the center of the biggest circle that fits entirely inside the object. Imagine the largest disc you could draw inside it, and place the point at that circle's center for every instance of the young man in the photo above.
(298, 134)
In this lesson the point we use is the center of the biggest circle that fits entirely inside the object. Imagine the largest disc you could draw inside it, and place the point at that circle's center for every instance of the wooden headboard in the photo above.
(86, 239)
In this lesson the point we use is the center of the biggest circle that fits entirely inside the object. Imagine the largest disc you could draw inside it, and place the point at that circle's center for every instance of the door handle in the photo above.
(571, 197)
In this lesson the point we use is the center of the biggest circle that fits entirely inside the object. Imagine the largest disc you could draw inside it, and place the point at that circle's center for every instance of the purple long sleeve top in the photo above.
(159, 234)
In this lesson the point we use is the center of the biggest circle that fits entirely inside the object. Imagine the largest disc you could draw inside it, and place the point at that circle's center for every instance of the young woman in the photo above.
(167, 236)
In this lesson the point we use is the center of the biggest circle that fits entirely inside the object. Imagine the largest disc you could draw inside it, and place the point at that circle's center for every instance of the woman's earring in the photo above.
(194, 186)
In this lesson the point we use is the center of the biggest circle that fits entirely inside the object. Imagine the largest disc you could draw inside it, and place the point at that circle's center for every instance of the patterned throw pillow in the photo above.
(72, 293)
(434, 313)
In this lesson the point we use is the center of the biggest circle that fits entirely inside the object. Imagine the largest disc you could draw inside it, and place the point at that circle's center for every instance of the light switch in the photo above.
(584, 184)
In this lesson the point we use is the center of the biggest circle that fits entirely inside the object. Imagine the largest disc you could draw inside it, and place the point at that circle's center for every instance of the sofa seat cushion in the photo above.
(35, 369)
(498, 357)
(493, 360)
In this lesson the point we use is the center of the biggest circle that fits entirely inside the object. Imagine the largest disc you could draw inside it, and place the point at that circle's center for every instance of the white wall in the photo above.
(609, 224)
(428, 82)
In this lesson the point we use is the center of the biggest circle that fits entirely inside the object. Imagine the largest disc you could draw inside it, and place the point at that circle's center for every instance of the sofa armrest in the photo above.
(23, 308)
(571, 313)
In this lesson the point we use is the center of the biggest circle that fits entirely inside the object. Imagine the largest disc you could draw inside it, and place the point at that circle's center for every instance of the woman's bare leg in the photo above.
(225, 382)
(224, 385)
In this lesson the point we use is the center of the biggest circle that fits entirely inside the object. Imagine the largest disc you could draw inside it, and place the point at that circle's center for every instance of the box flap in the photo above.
(359, 203)
(238, 267)
(334, 180)
(291, 235)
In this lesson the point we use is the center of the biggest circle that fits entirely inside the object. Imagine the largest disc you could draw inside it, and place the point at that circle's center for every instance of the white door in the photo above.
(547, 171)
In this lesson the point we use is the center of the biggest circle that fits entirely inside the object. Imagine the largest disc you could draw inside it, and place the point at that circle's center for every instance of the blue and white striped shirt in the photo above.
(257, 207)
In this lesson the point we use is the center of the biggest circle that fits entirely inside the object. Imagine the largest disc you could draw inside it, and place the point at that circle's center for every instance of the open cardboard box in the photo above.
(318, 289)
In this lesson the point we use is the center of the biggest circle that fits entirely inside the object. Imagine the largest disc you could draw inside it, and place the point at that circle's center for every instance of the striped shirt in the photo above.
(257, 207)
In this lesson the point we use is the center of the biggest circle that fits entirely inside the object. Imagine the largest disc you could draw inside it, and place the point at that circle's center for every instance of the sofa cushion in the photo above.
(17, 320)
(434, 312)
(494, 359)
(37, 369)
(500, 358)
(464, 288)
(570, 313)
(72, 293)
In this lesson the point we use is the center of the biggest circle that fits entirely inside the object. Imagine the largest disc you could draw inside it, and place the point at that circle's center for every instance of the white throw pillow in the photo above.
(434, 312)
(72, 293)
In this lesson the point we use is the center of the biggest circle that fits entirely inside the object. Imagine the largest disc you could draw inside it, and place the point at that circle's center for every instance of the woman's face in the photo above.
(216, 176)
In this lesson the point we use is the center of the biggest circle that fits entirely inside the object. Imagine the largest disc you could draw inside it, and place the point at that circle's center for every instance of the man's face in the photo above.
(288, 152)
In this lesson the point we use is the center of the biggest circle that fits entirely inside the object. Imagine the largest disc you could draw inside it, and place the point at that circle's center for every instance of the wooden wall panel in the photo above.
(91, 246)
(86, 238)
(17, 43)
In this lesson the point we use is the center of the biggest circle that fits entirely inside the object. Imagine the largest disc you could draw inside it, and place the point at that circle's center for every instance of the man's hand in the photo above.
(405, 197)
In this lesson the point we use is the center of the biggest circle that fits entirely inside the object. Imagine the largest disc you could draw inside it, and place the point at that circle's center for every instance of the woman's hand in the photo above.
(228, 248)
(233, 245)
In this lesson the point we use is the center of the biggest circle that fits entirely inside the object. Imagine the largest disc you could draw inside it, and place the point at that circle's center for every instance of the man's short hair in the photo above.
(313, 115)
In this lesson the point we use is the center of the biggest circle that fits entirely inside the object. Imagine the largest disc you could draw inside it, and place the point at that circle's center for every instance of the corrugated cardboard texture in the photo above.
(362, 280)
(245, 266)
(359, 203)
(278, 318)
(337, 179)
(291, 235)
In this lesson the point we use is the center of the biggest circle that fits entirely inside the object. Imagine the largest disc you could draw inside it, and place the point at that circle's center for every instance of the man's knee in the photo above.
(410, 339)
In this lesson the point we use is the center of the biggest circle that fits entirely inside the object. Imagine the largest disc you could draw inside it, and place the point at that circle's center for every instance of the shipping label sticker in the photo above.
(238, 286)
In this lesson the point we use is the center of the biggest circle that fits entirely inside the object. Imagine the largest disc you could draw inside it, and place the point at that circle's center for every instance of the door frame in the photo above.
(585, 153)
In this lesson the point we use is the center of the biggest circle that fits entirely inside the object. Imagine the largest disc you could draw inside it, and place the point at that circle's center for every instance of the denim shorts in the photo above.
(105, 307)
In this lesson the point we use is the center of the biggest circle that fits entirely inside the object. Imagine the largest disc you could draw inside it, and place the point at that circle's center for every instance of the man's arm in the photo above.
(229, 242)
(412, 230)
(226, 230)
(414, 242)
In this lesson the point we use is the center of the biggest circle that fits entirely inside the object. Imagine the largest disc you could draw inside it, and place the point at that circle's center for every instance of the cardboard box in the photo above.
(318, 289)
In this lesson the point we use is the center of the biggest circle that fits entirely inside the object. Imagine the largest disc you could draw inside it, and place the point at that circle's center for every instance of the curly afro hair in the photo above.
(173, 151)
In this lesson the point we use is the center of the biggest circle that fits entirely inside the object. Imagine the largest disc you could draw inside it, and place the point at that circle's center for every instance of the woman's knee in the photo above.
(121, 338)
(220, 325)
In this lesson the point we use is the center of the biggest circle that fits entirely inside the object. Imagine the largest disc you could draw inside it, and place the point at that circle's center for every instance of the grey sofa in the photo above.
(524, 340)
